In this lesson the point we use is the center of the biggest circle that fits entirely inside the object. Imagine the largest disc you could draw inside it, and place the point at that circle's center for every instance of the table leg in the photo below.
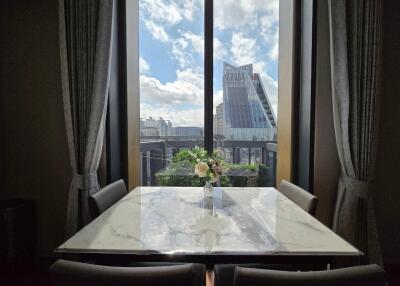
(209, 278)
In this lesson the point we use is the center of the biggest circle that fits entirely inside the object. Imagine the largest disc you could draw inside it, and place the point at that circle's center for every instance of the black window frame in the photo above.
(208, 75)
(117, 115)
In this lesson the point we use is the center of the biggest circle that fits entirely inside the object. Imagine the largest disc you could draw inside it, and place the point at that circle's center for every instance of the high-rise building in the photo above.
(149, 127)
(247, 111)
(153, 127)
(219, 121)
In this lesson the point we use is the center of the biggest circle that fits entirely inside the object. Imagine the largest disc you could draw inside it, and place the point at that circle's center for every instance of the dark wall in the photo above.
(34, 159)
(387, 187)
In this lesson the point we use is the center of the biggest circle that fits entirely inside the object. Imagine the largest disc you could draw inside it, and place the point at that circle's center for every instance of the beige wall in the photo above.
(326, 160)
(387, 185)
(35, 155)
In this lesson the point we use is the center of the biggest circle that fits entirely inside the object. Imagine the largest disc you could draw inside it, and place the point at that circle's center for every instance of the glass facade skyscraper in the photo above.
(247, 111)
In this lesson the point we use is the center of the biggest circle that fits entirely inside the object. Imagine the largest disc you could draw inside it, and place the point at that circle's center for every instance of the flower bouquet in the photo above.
(209, 167)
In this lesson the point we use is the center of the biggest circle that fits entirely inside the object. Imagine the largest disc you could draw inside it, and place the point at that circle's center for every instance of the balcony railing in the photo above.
(156, 155)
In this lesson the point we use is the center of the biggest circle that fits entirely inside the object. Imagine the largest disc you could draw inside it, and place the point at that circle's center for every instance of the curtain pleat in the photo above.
(85, 48)
(355, 37)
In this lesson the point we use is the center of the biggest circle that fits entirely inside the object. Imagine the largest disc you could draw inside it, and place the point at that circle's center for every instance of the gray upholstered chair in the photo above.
(225, 273)
(368, 275)
(106, 197)
(70, 273)
(299, 196)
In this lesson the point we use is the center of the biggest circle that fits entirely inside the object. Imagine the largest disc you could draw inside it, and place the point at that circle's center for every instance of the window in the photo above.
(175, 114)
(245, 86)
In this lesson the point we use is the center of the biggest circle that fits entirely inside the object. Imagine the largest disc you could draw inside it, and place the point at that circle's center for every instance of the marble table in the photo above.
(183, 224)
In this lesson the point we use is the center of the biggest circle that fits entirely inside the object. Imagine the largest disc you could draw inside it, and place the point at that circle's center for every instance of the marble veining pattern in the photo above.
(175, 220)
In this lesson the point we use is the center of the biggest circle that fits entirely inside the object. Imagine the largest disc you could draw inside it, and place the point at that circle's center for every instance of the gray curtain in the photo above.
(85, 47)
(355, 31)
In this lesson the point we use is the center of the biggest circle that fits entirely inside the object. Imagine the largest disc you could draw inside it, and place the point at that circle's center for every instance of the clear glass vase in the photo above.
(208, 188)
(208, 202)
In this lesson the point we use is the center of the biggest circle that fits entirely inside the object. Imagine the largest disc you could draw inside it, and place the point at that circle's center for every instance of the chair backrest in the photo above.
(368, 275)
(70, 273)
(107, 196)
(299, 196)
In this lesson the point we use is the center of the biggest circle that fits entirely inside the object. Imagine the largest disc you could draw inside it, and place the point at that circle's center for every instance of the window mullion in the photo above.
(208, 75)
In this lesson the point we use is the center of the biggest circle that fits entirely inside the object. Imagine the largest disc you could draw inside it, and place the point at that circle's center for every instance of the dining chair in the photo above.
(224, 273)
(299, 196)
(70, 273)
(106, 197)
(367, 275)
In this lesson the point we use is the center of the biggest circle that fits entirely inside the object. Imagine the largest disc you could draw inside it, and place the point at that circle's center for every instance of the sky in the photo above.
(171, 48)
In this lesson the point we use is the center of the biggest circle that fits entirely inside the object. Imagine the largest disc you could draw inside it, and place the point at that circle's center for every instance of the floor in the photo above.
(25, 274)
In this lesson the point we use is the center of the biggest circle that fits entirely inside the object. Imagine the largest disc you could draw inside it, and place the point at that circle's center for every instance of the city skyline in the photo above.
(244, 114)
(172, 56)
(151, 127)
(255, 77)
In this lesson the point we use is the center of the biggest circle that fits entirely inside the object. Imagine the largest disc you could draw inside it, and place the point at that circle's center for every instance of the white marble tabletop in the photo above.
(182, 220)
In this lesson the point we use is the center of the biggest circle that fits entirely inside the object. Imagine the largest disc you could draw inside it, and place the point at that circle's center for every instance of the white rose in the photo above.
(201, 169)
(213, 178)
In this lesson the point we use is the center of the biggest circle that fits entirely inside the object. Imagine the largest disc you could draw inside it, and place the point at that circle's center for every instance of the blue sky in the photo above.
(171, 52)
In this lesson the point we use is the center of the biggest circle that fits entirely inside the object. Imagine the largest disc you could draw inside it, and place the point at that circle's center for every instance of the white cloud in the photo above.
(187, 88)
(187, 117)
(274, 53)
(159, 15)
(266, 22)
(168, 12)
(178, 50)
(233, 14)
(271, 7)
(271, 87)
(254, 40)
(270, 34)
(269, 28)
(245, 50)
(260, 17)
(219, 50)
(157, 31)
(144, 66)
(185, 47)
(238, 14)
(197, 43)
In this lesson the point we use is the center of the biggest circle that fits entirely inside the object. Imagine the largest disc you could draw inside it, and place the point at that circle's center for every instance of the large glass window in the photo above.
(171, 50)
(246, 85)
(171, 53)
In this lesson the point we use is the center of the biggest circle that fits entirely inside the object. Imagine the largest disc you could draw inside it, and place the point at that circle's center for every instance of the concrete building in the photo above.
(153, 127)
(219, 121)
(187, 131)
